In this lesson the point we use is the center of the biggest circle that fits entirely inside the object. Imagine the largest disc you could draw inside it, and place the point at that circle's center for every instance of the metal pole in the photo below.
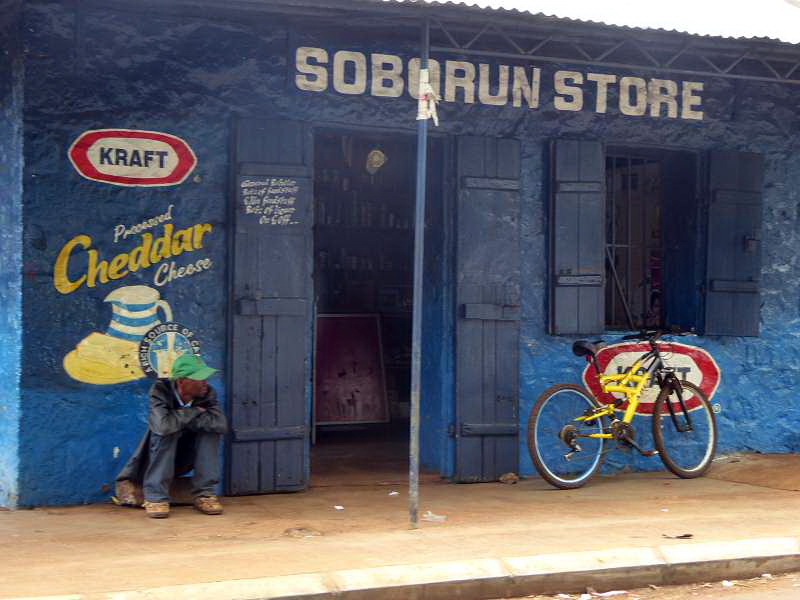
(416, 327)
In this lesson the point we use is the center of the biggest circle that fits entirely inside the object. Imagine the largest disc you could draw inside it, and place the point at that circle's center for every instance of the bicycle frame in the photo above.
(630, 384)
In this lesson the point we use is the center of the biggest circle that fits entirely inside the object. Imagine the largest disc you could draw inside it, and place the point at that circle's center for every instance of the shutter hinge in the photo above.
(451, 430)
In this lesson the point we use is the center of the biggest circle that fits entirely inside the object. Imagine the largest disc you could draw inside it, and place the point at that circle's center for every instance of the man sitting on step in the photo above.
(185, 424)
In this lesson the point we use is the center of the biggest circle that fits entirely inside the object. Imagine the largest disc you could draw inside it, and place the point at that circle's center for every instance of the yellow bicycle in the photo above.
(569, 428)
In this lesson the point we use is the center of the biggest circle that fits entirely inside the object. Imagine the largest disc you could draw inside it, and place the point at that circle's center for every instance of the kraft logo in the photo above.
(132, 158)
(689, 362)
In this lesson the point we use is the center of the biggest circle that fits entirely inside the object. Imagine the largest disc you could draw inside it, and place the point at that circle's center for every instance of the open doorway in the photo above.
(364, 187)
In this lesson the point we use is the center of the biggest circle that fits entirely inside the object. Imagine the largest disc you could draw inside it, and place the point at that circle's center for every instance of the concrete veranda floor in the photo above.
(90, 549)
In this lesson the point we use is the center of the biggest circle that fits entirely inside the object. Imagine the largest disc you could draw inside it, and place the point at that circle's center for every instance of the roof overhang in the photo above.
(471, 31)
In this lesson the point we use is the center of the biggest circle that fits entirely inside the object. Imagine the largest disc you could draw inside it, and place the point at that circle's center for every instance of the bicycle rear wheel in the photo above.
(688, 454)
(552, 425)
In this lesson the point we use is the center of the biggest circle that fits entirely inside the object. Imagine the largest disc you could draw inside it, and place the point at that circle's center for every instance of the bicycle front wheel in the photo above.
(685, 440)
(561, 453)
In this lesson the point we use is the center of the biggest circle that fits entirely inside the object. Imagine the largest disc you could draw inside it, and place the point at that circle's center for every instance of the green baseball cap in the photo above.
(190, 366)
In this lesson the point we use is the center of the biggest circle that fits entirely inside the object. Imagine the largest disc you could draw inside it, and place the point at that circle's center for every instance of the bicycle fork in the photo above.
(672, 383)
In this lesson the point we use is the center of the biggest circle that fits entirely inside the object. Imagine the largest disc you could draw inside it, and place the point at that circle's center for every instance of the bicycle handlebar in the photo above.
(651, 335)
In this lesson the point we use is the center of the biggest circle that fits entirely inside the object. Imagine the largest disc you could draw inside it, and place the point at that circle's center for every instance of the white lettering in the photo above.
(359, 83)
(388, 76)
(573, 92)
(311, 78)
(602, 81)
(464, 80)
(690, 101)
(639, 87)
(122, 232)
(529, 90)
(484, 85)
(168, 272)
(663, 91)
(382, 76)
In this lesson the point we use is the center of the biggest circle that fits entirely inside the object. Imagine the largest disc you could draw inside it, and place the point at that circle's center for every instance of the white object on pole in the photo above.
(426, 105)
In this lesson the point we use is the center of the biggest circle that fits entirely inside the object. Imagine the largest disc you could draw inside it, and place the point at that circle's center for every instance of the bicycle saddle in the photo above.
(586, 348)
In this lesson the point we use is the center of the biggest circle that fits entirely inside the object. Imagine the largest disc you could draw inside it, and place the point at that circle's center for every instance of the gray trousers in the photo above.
(161, 467)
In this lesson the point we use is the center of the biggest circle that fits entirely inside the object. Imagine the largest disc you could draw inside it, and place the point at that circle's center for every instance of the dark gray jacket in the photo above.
(166, 417)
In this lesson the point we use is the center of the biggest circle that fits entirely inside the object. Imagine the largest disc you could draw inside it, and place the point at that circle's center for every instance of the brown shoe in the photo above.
(128, 493)
(208, 505)
(156, 510)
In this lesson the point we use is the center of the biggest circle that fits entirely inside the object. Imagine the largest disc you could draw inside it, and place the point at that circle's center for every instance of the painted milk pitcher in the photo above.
(135, 311)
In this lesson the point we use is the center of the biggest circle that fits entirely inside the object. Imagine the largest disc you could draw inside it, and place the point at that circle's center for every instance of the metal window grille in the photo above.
(633, 241)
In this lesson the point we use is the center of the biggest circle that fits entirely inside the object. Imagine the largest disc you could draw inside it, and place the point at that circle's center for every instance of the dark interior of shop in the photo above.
(363, 274)
(651, 239)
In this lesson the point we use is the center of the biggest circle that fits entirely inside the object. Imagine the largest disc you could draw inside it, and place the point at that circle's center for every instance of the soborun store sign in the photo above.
(390, 76)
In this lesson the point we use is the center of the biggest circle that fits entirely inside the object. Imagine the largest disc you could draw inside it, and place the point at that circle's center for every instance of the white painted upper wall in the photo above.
(778, 19)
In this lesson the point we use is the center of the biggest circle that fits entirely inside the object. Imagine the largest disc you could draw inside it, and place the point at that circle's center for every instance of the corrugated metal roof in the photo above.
(501, 7)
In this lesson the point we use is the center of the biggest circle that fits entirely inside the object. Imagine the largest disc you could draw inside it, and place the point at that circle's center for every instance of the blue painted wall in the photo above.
(11, 95)
(92, 69)
(76, 435)
(753, 117)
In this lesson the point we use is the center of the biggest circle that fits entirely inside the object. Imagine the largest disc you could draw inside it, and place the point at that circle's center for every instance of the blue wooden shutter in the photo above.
(269, 350)
(487, 296)
(733, 278)
(577, 238)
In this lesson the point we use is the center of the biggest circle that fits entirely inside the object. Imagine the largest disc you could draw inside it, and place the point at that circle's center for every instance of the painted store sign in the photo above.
(132, 158)
(390, 76)
(690, 363)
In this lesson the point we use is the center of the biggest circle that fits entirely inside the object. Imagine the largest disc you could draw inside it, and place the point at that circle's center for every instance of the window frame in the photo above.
(709, 181)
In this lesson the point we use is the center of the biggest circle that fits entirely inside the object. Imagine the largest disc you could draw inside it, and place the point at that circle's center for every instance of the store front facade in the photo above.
(239, 182)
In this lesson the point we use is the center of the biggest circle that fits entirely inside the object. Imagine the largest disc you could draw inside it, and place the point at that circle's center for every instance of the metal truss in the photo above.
(469, 31)
(667, 52)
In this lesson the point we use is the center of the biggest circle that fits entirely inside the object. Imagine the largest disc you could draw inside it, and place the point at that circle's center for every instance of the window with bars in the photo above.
(643, 237)
(634, 250)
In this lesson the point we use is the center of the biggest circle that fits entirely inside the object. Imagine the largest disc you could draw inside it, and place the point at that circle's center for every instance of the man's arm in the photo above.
(211, 418)
(162, 418)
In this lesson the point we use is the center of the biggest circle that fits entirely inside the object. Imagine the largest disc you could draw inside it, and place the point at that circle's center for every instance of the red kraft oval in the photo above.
(705, 372)
(185, 159)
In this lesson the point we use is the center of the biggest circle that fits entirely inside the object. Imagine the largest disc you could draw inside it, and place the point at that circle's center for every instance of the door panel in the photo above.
(487, 296)
(271, 309)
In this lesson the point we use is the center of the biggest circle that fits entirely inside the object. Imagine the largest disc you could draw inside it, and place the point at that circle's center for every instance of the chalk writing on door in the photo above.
(273, 200)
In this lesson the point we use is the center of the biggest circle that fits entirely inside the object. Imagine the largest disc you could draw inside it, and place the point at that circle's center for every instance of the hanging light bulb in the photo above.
(375, 160)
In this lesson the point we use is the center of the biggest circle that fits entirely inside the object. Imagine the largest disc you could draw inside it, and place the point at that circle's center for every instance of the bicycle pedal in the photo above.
(642, 451)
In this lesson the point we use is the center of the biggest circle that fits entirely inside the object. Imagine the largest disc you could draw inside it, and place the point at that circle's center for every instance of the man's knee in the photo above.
(207, 439)
(163, 443)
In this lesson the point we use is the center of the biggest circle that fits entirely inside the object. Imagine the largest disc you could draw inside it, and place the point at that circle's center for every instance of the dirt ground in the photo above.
(776, 471)
(364, 524)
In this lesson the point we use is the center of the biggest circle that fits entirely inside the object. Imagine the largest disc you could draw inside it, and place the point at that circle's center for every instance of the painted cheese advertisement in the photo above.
(138, 260)
(690, 363)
